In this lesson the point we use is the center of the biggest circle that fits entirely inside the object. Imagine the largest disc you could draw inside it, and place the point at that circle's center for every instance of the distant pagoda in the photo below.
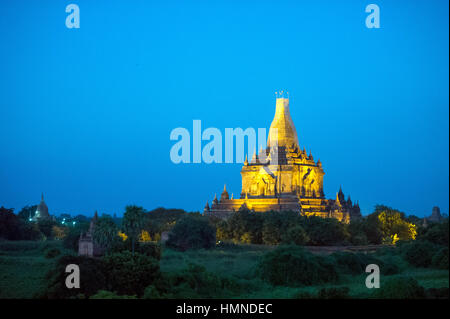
(282, 177)
(86, 243)
(41, 211)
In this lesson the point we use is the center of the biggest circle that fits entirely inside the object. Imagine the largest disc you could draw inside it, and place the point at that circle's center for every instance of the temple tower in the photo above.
(283, 177)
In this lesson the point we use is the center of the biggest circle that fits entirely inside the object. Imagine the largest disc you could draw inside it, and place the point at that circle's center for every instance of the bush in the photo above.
(29, 231)
(400, 288)
(149, 249)
(436, 233)
(358, 236)
(104, 294)
(192, 232)
(228, 245)
(46, 227)
(325, 293)
(73, 236)
(334, 293)
(354, 263)
(437, 293)
(359, 239)
(19, 246)
(130, 274)
(196, 282)
(151, 292)
(418, 253)
(440, 259)
(295, 235)
(52, 253)
(389, 267)
(92, 277)
(325, 231)
(293, 266)
(303, 295)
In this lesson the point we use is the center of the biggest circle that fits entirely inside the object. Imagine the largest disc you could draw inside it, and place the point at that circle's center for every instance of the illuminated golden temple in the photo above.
(283, 177)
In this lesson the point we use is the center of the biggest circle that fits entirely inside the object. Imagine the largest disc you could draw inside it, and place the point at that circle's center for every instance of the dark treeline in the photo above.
(384, 226)
(20, 227)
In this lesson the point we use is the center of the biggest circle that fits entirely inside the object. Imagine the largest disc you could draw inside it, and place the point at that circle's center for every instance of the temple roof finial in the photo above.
(282, 94)
(215, 200)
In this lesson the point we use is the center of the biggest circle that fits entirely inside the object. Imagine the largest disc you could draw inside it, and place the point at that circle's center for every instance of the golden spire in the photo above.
(282, 127)
(224, 193)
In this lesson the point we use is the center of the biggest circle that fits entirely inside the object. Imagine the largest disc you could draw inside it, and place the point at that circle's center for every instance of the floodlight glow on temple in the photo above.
(284, 177)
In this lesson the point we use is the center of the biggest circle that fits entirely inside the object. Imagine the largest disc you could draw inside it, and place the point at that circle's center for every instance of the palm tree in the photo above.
(105, 232)
(133, 222)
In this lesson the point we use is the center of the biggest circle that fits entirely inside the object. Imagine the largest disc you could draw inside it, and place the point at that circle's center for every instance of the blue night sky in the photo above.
(86, 114)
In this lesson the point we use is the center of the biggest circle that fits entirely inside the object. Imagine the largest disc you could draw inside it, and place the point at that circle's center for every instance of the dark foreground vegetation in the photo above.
(249, 256)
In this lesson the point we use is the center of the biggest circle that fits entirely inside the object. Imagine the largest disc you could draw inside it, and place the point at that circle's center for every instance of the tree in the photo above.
(394, 226)
(419, 253)
(240, 223)
(356, 228)
(372, 229)
(105, 232)
(145, 236)
(59, 232)
(92, 277)
(271, 230)
(246, 238)
(130, 273)
(27, 212)
(192, 232)
(73, 235)
(295, 235)
(325, 231)
(132, 223)
(437, 233)
(294, 266)
(46, 226)
(9, 224)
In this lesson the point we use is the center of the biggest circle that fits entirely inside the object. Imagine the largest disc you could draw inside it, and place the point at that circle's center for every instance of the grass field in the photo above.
(240, 262)
(23, 267)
